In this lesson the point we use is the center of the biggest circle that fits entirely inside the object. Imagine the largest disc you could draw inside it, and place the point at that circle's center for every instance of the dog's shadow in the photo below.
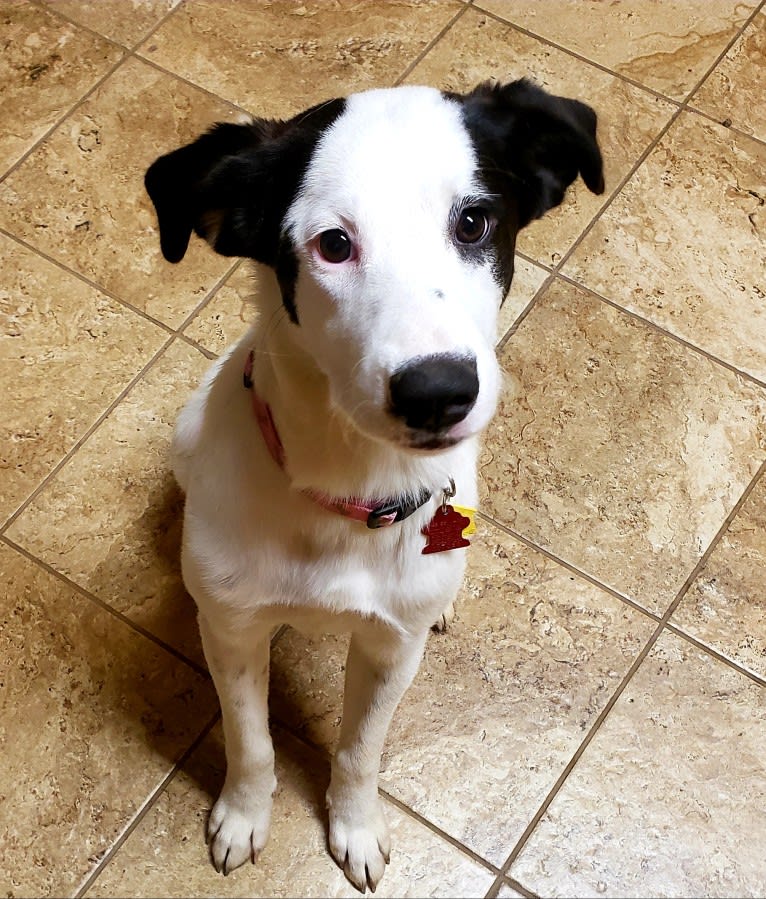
(156, 685)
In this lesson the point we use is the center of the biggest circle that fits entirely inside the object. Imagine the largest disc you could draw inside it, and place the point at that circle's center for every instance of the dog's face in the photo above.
(390, 219)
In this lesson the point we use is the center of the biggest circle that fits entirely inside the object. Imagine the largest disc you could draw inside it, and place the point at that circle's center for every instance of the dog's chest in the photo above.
(338, 569)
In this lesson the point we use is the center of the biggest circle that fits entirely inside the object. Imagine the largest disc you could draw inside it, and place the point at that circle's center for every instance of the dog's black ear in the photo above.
(234, 184)
(532, 144)
(179, 182)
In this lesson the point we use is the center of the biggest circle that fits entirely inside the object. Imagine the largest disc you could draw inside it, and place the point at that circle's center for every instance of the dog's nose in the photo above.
(434, 392)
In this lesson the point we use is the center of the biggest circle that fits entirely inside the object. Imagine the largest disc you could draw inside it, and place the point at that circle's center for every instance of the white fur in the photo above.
(256, 551)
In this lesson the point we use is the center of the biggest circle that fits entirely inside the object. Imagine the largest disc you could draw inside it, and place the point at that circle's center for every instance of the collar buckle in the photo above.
(396, 510)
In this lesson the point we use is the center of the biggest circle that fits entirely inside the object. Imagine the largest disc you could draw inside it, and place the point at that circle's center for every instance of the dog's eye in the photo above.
(472, 226)
(335, 246)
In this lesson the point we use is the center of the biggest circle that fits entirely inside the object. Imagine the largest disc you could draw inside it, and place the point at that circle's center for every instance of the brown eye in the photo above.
(472, 225)
(335, 246)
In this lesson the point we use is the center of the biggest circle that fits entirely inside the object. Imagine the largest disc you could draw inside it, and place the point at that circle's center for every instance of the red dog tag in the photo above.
(445, 531)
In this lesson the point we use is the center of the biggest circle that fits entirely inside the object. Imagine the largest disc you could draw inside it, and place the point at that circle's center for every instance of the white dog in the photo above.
(320, 453)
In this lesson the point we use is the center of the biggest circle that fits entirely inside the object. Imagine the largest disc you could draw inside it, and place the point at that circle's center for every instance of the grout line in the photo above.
(738, 34)
(208, 298)
(221, 101)
(501, 881)
(94, 285)
(559, 782)
(655, 326)
(71, 111)
(326, 756)
(86, 435)
(501, 344)
(702, 562)
(422, 55)
(53, 9)
(434, 828)
(91, 597)
(648, 150)
(620, 76)
(195, 345)
(147, 805)
(682, 107)
(695, 110)
(719, 656)
(569, 566)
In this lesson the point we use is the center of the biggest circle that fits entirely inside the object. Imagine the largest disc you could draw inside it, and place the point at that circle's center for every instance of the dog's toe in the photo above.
(236, 834)
(445, 619)
(363, 851)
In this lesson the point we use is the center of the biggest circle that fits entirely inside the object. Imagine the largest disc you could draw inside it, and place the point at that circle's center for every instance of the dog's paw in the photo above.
(361, 849)
(237, 831)
(444, 620)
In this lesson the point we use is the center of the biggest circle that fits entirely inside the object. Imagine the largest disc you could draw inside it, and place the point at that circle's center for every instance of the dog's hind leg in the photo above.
(379, 668)
(239, 822)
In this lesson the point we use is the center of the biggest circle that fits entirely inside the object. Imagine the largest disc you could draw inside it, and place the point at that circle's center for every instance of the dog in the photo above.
(328, 459)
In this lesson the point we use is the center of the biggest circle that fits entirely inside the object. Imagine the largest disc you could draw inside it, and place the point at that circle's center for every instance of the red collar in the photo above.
(375, 513)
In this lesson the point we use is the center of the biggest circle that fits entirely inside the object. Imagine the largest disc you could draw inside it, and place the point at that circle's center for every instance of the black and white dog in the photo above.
(321, 453)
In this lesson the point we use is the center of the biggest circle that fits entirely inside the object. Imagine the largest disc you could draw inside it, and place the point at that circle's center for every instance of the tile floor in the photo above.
(594, 722)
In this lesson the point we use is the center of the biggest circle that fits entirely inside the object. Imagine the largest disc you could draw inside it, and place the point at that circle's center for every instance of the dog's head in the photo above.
(390, 219)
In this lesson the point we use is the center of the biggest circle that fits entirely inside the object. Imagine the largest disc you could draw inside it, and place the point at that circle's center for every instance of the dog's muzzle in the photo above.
(433, 393)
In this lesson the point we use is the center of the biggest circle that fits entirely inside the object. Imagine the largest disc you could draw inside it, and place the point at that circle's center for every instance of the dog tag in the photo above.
(445, 531)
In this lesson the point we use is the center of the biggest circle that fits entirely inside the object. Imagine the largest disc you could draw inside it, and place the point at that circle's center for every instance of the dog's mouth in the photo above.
(429, 442)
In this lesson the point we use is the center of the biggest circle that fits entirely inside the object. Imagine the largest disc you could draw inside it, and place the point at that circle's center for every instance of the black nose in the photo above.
(434, 392)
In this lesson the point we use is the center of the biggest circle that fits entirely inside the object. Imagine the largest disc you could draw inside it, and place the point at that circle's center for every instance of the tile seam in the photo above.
(613, 699)
(146, 806)
(682, 106)
(94, 285)
(103, 605)
(87, 434)
(63, 118)
(665, 332)
(410, 68)
(440, 832)
(605, 68)
(503, 880)
(209, 297)
(679, 631)
(570, 566)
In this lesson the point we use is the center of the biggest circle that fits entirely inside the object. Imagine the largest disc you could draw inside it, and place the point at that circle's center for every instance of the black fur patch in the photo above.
(233, 187)
(531, 145)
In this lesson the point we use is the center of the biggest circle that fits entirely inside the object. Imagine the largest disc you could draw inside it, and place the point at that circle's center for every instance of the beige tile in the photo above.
(226, 317)
(166, 855)
(667, 46)
(527, 280)
(45, 66)
(734, 92)
(124, 21)
(683, 244)
(616, 447)
(669, 798)
(111, 518)
(267, 57)
(507, 892)
(66, 351)
(478, 47)
(92, 717)
(501, 701)
(726, 606)
(80, 195)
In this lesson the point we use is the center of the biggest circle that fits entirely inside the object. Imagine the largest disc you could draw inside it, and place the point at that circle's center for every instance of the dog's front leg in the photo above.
(239, 822)
(379, 668)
